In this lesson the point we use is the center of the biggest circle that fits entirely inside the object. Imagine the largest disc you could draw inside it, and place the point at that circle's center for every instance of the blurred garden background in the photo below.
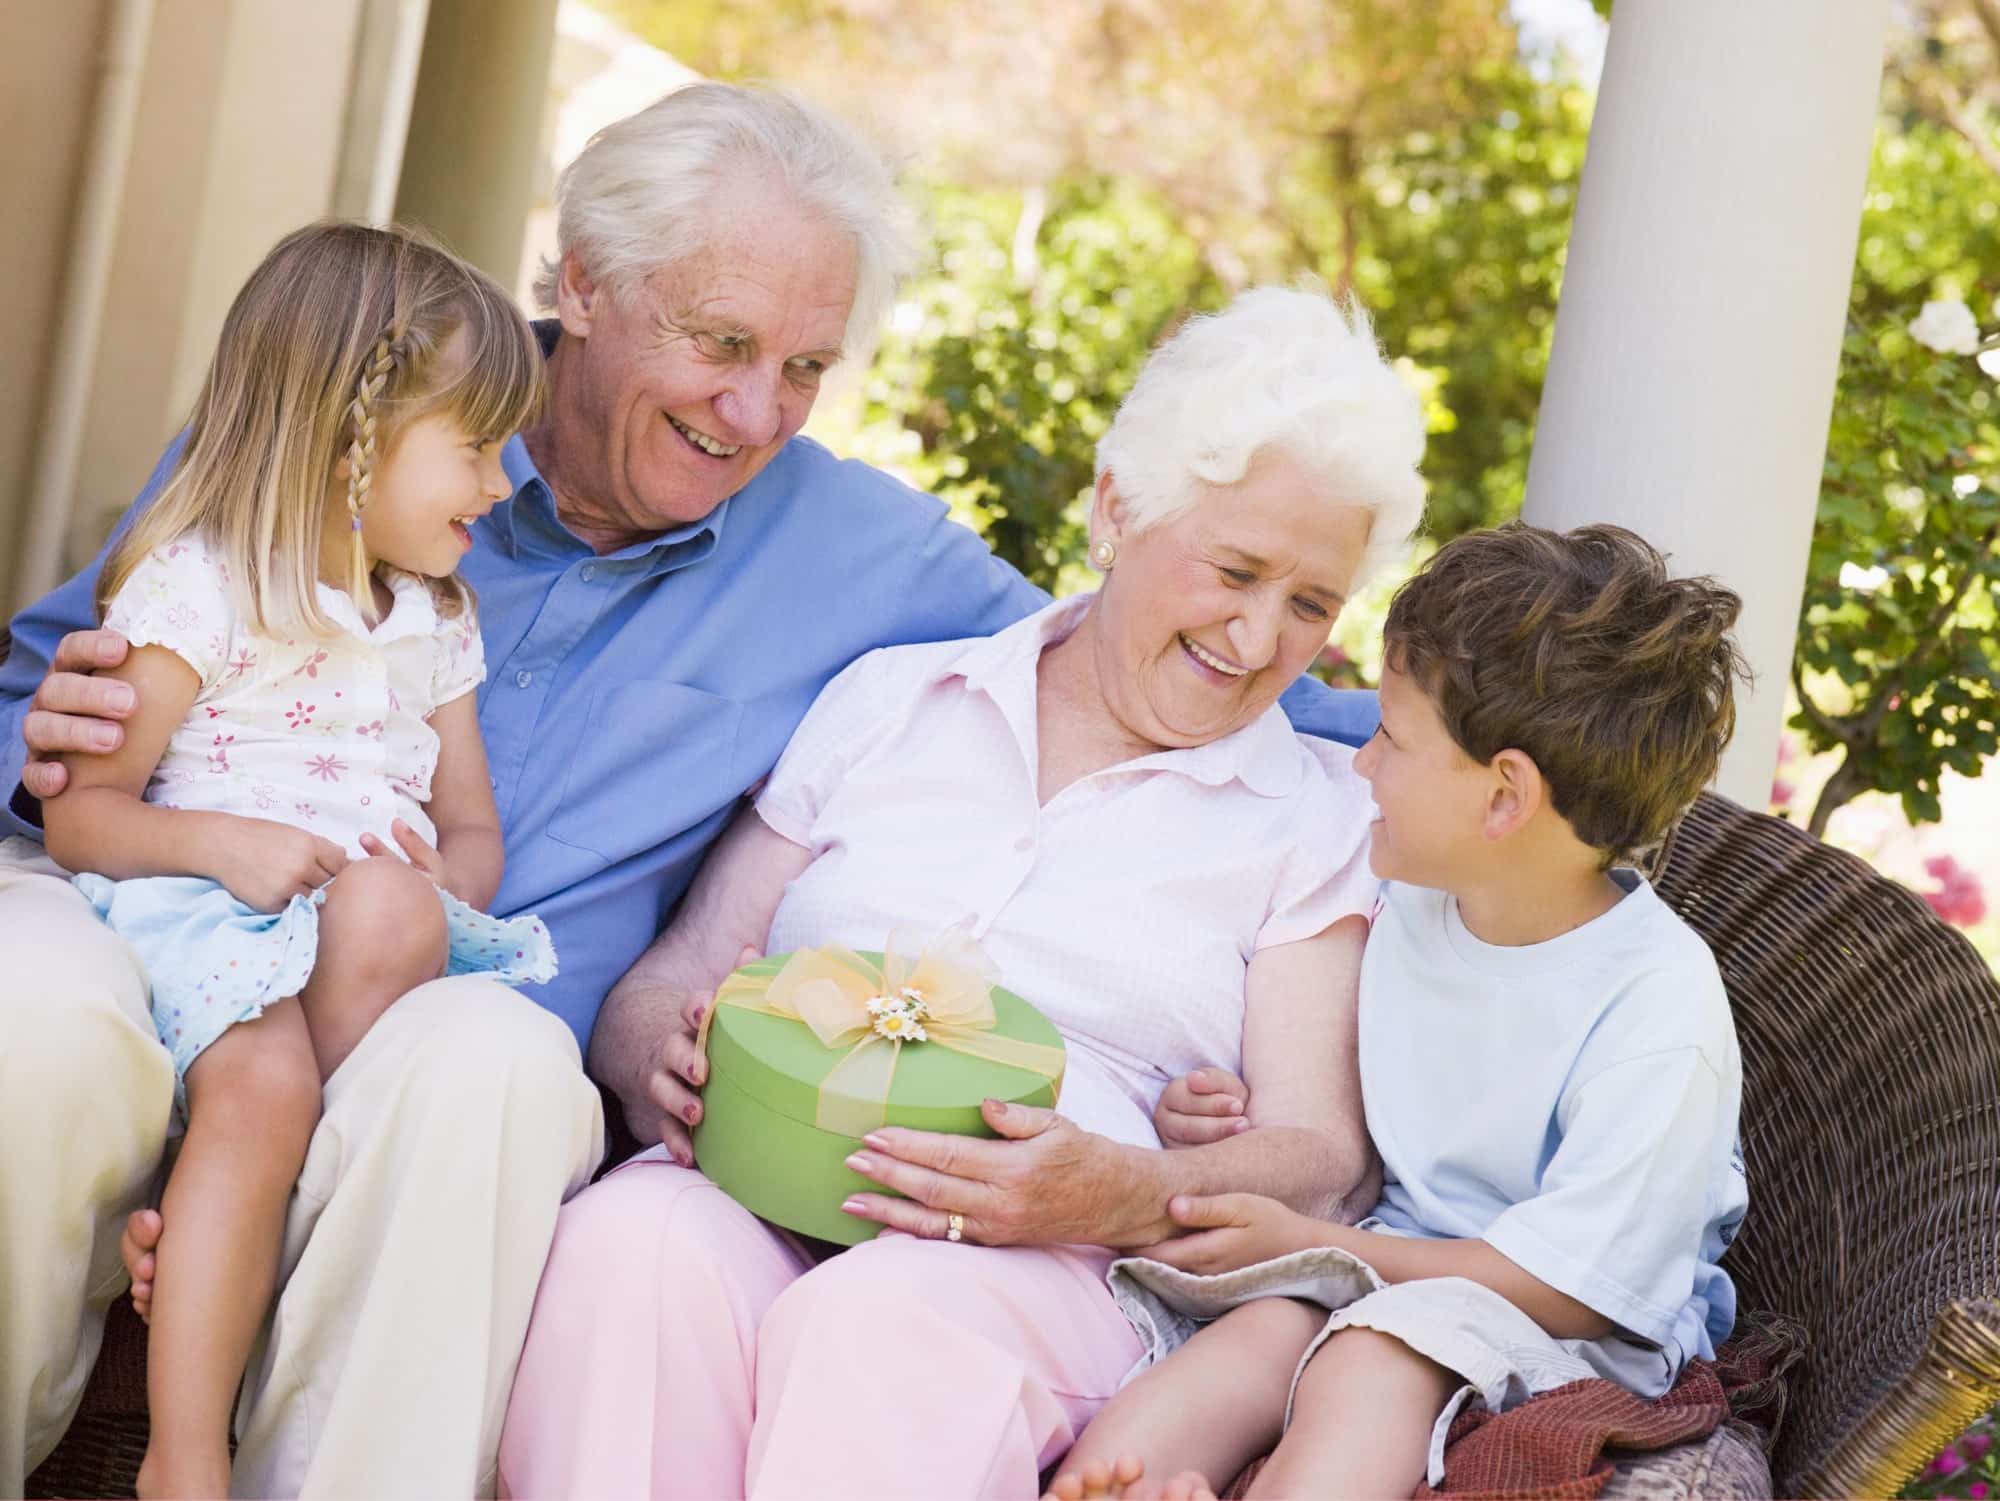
(1092, 171)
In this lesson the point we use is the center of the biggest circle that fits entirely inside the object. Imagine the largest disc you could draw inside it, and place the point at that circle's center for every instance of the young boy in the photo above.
(1547, 1060)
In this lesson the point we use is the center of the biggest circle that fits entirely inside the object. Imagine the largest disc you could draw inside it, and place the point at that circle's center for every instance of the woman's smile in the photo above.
(1215, 668)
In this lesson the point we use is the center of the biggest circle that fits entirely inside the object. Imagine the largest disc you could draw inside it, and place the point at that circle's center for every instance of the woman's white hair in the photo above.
(634, 199)
(1281, 369)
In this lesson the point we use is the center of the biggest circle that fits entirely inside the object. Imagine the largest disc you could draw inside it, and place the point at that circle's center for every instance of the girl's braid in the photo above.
(361, 463)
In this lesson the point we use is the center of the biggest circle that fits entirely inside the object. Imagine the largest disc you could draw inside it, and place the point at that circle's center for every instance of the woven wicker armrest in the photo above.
(1871, 1125)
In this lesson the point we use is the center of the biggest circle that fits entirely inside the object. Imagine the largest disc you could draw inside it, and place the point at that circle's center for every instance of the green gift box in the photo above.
(808, 1052)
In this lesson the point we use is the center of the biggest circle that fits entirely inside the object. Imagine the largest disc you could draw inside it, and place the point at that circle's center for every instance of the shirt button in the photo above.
(522, 679)
(1025, 843)
(588, 572)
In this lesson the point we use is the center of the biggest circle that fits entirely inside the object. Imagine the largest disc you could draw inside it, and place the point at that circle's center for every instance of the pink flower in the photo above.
(1788, 748)
(299, 715)
(327, 768)
(1960, 898)
(1974, 1446)
(1781, 793)
(242, 662)
(1977, 1490)
(311, 666)
(1948, 1460)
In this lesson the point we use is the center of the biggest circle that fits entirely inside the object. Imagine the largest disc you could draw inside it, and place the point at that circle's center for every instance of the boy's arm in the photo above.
(1609, 1243)
(462, 808)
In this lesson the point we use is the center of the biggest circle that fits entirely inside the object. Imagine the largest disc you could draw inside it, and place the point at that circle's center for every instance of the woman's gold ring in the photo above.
(954, 1227)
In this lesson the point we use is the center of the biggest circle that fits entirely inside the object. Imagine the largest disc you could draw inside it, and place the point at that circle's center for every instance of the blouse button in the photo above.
(523, 678)
(588, 572)
(1025, 843)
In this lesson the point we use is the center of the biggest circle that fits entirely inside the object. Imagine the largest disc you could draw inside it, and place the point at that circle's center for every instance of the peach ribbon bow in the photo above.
(944, 997)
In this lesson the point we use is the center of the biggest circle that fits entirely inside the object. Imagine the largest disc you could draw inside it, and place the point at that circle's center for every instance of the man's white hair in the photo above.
(1278, 369)
(635, 198)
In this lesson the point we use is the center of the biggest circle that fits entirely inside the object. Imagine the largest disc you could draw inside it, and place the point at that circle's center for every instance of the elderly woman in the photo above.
(1144, 848)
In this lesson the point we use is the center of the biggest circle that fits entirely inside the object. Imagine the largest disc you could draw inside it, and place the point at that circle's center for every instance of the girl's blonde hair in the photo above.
(332, 347)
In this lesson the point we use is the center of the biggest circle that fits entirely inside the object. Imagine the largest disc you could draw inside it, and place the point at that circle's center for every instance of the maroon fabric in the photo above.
(1554, 1445)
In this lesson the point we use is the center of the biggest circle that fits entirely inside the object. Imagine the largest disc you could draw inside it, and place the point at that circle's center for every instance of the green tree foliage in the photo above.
(1099, 169)
(1898, 653)
(1459, 235)
(1004, 368)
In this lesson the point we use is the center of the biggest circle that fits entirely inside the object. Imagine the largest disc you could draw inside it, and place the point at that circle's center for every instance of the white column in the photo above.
(1703, 303)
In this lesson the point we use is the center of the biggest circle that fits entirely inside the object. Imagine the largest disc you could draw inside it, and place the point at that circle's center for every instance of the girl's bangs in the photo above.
(504, 382)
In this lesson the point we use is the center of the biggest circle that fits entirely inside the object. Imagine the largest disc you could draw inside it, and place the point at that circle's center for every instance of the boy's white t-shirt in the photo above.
(1573, 1103)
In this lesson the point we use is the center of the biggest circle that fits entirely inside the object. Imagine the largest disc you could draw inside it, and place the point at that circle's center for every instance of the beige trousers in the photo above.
(413, 1243)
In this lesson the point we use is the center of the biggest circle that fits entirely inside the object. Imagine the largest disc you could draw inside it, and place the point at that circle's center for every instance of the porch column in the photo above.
(1703, 303)
(472, 158)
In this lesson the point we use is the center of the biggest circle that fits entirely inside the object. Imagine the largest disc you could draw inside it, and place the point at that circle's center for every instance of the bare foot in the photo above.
(136, 1246)
(183, 1475)
(1125, 1480)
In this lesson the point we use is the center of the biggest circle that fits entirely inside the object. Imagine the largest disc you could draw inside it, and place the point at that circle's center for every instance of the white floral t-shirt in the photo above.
(328, 735)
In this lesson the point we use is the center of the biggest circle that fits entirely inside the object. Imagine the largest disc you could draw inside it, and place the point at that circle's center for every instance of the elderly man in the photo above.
(674, 578)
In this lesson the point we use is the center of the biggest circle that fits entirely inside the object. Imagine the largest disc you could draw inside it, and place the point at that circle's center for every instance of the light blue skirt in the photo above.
(213, 962)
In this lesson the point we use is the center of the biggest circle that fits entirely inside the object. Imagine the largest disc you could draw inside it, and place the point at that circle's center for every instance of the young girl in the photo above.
(298, 827)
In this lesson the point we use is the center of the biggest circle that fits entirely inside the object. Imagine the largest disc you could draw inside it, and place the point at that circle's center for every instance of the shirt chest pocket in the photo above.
(653, 760)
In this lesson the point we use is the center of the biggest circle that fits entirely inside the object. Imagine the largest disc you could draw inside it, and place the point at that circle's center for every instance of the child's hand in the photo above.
(420, 854)
(265, 864)
(1204, 1106)
(1234, 1230)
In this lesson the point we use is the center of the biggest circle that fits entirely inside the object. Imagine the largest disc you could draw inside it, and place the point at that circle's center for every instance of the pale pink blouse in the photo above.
(1127, 909)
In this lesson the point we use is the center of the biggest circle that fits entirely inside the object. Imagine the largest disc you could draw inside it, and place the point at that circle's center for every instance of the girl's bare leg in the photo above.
(1361, 1421)
(381, 935)
(1198, 1417)
(253, 1101)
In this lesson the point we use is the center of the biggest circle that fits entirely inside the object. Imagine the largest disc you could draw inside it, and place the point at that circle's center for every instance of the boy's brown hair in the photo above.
(1581, 651)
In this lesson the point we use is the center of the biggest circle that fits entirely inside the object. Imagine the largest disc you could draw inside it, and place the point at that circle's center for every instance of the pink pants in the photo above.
(681, 1347)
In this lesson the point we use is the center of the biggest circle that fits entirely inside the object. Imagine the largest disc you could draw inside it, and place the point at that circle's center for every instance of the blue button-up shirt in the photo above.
(632, 698)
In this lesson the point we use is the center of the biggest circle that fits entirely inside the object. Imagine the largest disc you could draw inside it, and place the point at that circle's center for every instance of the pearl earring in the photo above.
(1103, 555)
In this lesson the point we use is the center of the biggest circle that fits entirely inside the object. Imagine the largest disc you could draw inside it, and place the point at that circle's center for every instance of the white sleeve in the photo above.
(1618, 1224)
(178, 597)
(1325, 875)
(461, 658)
(846, 718)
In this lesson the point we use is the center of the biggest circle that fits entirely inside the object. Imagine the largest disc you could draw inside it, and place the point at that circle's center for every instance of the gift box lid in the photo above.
(777, 1060)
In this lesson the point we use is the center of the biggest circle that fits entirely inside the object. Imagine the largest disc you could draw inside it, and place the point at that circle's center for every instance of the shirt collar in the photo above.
(412, 611)
(1263, 755)
(527, 520)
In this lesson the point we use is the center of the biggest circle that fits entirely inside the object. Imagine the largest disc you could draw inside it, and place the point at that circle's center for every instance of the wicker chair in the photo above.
(1871, 1044)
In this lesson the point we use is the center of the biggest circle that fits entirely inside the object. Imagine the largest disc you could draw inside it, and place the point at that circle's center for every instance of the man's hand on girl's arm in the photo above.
(75, 710)
(643, 1046)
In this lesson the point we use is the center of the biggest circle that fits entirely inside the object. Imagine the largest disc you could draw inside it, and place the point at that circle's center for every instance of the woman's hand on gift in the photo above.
(1045, 1182)
(1227, 1231)
(1209, 1104)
